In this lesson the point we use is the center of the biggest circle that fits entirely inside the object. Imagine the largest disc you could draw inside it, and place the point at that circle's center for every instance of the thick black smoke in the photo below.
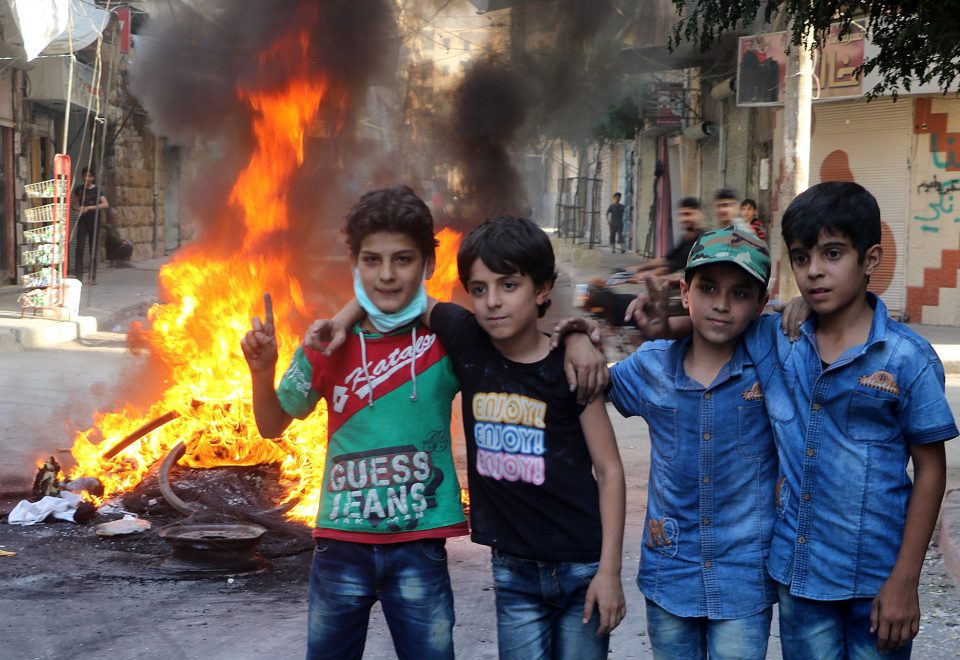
(557, 72)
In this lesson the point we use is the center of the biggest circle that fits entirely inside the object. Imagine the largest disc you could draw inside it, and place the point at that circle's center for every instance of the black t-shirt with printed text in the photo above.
(532, 489)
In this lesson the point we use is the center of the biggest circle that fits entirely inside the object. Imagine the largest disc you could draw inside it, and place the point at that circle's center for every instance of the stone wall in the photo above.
(134, 173)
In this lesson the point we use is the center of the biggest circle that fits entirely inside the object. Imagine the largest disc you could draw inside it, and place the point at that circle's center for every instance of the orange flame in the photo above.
(445, 278)
(197, 334)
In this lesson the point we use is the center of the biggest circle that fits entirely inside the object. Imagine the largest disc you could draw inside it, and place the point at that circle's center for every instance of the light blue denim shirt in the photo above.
(713, 470)
(843, 436)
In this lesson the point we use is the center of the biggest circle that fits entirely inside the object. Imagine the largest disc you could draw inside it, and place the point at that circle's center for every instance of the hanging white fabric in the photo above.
(46, 26)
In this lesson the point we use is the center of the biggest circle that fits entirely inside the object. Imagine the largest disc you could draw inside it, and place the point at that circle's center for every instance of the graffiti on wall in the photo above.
(942, 206)
(944, 157)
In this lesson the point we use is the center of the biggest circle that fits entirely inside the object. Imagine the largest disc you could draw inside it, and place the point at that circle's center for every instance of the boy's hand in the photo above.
(586, 368)
(259, 345)
(895, 615)
(606, 593)
(573, 324)
(325, 335)
(649, 311)
(795, 313)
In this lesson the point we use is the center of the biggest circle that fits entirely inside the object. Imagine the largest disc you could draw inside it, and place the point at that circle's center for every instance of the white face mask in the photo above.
(383, 321)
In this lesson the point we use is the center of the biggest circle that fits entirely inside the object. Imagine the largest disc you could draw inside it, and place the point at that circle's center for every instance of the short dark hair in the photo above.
(87, 170)
(725, 193)
(616, 194)
(842, 208)
(689, 203)
(508, 245)
(749, 202)
(396, 209)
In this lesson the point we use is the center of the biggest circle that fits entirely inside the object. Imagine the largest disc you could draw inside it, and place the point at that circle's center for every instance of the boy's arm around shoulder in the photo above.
(605, 591)
(895, 615)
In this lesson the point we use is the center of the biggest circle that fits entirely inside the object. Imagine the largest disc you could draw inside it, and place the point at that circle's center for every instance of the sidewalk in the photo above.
(119, 295)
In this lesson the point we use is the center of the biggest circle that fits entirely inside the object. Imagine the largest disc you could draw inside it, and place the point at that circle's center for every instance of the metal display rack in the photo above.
(46, 237)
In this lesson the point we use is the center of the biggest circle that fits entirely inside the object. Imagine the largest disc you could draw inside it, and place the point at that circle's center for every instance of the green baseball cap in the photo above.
(732, 245)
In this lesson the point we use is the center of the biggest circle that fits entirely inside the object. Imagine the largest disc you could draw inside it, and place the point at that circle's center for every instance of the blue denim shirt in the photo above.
(843, 436)
(713, 471)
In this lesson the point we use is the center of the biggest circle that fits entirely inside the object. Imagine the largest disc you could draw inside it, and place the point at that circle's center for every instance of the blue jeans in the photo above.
(689, 637)
(540, 610)
(823, 629)
(409, 579)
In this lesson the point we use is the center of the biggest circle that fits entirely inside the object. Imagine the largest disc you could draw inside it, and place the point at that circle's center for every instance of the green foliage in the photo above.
(916, 38)
(621, 121)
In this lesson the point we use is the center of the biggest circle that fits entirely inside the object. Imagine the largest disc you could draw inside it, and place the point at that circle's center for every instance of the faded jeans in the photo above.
(688, 637)
(410, 580)
(828, 629)
(540, 610)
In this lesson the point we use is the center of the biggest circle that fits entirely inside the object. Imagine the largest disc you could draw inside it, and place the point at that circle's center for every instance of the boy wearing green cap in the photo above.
(713, 468)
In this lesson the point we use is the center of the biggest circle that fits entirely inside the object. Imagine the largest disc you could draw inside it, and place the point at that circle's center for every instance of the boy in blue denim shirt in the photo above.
(850, 403)
(713, 469)
(856, 398)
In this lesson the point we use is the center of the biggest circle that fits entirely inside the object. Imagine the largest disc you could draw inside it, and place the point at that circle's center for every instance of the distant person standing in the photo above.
(87, 199)
(748, 211)
(615, 219)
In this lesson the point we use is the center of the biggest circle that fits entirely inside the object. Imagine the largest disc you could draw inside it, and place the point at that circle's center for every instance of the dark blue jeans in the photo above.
(540, 610)
(828, 629)
(675, 636)
(409, 579)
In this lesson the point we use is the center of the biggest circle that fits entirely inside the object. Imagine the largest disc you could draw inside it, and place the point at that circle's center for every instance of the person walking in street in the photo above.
(690, 217)
(615, 223)
(88, 202)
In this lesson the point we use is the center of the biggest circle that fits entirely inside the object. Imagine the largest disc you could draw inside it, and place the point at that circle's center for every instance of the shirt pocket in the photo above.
(753, 430)
(871, 418)
(663, 431)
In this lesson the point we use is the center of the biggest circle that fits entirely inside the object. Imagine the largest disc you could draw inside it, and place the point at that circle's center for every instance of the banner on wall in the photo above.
(762, 66)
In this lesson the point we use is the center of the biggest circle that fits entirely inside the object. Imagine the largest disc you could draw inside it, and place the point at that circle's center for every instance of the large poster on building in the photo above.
(762, 66)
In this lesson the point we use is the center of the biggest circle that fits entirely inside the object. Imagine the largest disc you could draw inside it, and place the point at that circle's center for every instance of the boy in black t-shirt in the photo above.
(531, 453)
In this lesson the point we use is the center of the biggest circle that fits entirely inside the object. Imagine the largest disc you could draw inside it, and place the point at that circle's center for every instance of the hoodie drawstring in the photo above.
(366, 373)
(413, 362)
(413, 366)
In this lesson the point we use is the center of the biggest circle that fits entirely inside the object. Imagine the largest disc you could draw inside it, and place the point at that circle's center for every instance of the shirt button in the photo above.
(707, 564)
(706, 436)
(806, 497)
(816, 407)
(809, 451)
(708, 395)
(802, 540)
(706, 521)
(706, 480)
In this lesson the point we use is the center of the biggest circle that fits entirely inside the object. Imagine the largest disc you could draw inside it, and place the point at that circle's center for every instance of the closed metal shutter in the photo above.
(6, 98)
(870, 143)
(738, 149)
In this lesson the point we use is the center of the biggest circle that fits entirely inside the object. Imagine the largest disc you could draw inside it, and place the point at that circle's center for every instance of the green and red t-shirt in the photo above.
(389, 475)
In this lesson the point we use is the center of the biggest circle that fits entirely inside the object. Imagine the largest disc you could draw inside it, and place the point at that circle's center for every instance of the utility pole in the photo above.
(798, 95)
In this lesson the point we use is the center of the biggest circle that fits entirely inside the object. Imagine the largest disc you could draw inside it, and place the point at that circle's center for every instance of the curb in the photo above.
(26, 334)
(949, 536)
